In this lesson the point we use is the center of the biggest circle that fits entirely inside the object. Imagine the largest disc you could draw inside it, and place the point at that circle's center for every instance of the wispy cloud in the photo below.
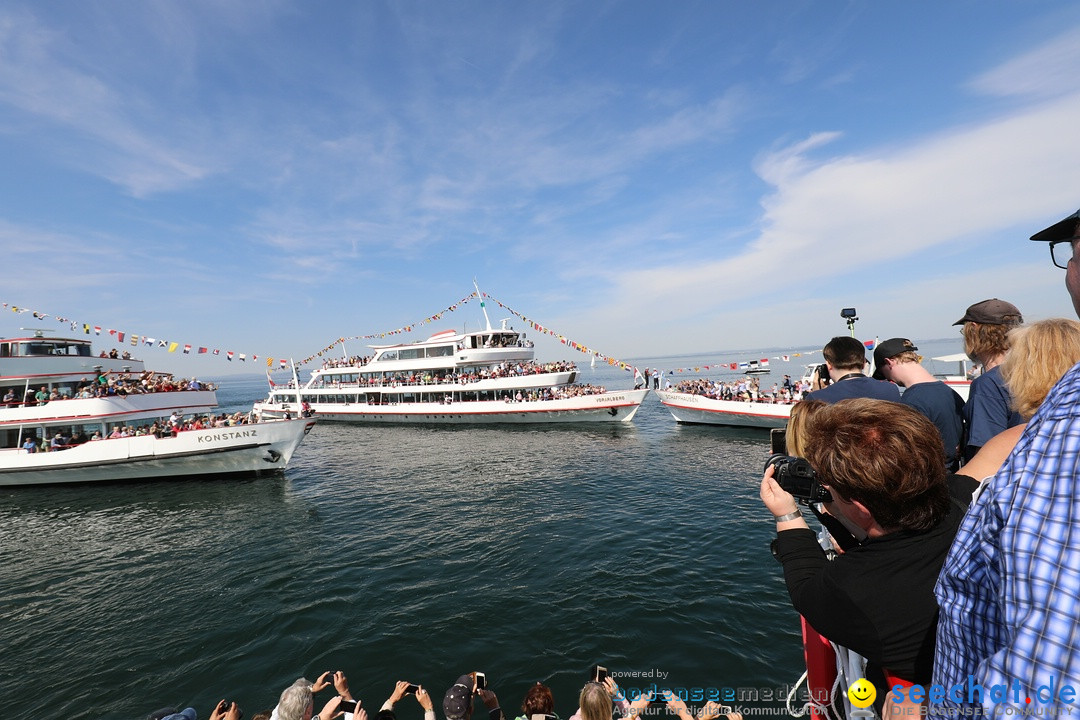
(834, 217)
(1045, 72)
(43, 82)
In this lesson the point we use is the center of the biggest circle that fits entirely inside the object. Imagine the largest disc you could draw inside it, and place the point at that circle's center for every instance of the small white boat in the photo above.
(756, 367)
(57, 416)
(690, 408)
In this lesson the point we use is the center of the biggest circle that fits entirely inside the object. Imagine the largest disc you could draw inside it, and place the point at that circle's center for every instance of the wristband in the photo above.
(789, 516)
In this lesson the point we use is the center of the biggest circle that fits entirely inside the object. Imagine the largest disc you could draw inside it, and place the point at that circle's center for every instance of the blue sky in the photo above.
(645, 178)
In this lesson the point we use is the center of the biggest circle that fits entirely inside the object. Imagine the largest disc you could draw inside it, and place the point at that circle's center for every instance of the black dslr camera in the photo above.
(795, 475)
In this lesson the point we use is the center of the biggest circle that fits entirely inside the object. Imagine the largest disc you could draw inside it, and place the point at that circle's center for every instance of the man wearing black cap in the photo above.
(458, 702)
(1010, 586)
(895, 360)
(1063, 236)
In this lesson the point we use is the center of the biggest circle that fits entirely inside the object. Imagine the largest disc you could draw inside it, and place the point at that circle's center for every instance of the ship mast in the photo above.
(480, 295)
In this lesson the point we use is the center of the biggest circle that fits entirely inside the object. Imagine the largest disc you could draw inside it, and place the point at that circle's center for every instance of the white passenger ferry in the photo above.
(704, 410)
(700, 409)
(486, 376)
(69, 416)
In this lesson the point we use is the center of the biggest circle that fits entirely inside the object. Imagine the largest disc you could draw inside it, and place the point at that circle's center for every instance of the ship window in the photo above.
(440, 351)
(5, 350)
(410, 353)
(389, 355)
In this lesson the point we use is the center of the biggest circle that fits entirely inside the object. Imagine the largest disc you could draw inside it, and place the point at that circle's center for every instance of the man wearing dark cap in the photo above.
(896, 360)
(1063, 236)
(458, 702)
(1010, 586)
(845, 357)
(988, 410)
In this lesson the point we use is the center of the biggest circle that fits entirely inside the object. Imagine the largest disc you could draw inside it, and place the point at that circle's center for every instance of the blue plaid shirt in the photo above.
(1010, 587)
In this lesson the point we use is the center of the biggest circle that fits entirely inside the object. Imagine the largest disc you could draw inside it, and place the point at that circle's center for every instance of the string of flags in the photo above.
(573, 344)
(563, 339)
(720, 365)
(438, 316)
(404, 329)
(120, 337)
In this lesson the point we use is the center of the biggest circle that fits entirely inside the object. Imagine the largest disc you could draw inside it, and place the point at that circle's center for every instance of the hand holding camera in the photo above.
(423, 698)
(324, 681)
(794, 476)
(403, 688)
(227, 710)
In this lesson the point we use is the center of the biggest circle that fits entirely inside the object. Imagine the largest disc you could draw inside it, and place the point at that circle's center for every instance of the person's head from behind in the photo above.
(891, 354)
(845, 353)
(458, 701)
(885, 456)
(538, 701)
(296, 701)
(986, 326)
(595, 702)
(1039, 355)
(796, 435)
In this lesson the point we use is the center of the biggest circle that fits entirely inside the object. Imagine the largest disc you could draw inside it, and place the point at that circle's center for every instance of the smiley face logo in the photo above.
(862, 693)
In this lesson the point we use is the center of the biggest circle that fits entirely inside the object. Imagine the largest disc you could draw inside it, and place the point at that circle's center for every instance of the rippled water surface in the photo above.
(400, 553)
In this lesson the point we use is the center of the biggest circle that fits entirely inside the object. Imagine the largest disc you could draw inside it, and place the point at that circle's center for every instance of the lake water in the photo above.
(405, 553)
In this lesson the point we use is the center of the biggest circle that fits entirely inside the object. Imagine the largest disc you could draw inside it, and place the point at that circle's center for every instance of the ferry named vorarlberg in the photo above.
(485, 376)
(56, 426)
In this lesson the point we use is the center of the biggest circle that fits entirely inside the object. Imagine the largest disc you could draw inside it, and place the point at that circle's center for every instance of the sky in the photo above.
(642, 178)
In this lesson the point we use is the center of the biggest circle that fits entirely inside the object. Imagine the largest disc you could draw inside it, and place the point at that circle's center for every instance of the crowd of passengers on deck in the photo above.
(556, 393)
(354, 361)
(104, 386)
(358, 360)
(447, 376)
(746, 390)
(164, 428)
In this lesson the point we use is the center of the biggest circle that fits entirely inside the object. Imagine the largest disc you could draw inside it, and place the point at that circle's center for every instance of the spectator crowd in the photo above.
(947, 569)
(600, 699)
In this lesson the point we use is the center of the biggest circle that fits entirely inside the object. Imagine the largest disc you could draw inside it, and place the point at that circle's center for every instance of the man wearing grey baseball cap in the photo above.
(988, 410)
